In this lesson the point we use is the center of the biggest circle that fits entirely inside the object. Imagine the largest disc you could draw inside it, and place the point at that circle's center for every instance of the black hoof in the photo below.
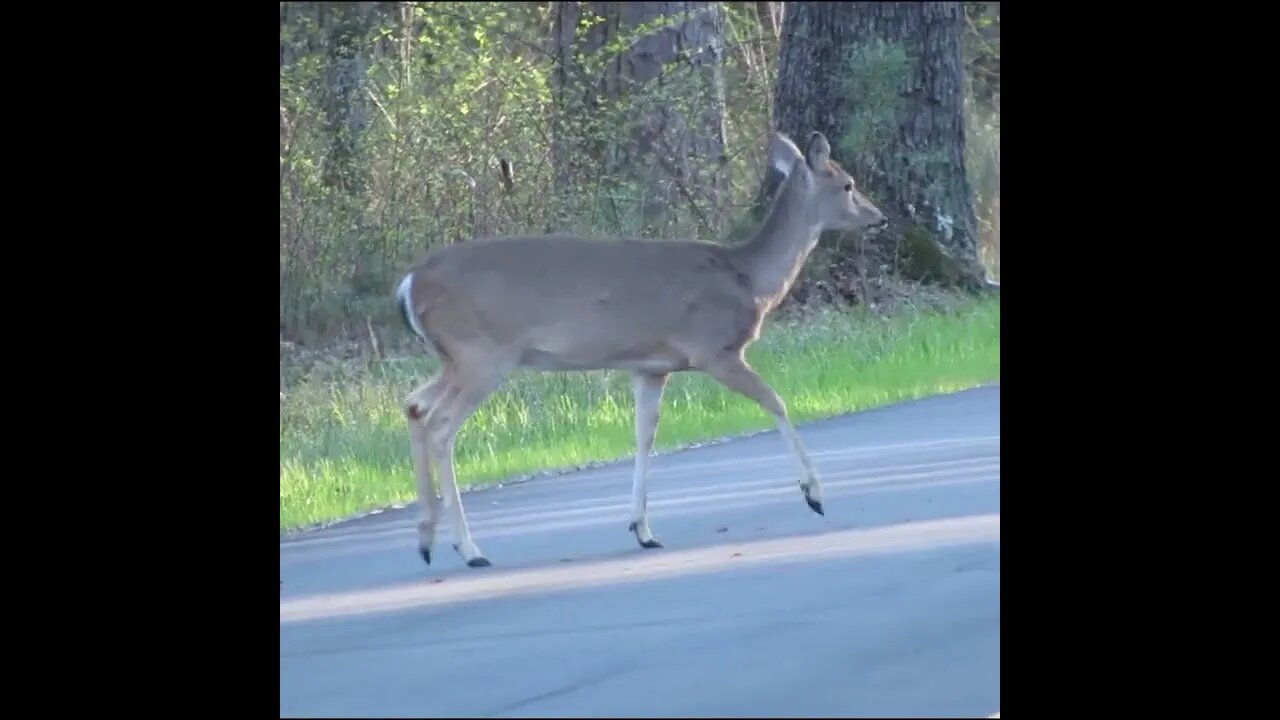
(478, 562)
(426, 555)
(814, 505)
(646, 544)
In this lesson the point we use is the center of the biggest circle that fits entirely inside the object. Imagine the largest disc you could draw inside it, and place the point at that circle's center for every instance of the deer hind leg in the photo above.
(734, 373)
(466, 391)
(647, 390)
(418, 406)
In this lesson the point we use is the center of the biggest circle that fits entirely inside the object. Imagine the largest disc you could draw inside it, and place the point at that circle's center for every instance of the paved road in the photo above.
(887, 606)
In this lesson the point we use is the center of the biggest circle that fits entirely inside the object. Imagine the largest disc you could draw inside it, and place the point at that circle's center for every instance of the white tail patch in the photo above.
(404, 294)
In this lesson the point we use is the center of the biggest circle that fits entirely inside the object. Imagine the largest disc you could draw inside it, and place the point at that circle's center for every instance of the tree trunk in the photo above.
(657, 101)
(345, 105)
(885, 82)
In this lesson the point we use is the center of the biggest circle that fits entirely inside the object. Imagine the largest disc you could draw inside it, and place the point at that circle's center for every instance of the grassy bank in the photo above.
(344, 444)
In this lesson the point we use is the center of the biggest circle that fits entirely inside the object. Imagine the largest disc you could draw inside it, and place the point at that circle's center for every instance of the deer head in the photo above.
(817, 184)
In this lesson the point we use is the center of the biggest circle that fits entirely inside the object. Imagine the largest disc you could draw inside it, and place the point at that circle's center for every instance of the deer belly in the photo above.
(536, 359)
(655, 360)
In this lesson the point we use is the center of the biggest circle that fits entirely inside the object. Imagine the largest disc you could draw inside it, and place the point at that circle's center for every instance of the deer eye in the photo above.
(848, 187)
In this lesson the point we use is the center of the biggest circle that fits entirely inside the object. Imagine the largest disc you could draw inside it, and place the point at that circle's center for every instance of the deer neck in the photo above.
(774, 257)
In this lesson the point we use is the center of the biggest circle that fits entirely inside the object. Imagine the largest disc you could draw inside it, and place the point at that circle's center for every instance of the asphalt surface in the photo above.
(887, 606)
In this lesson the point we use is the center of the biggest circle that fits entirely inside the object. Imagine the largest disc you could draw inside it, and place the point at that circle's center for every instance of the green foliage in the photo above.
(875, 75)
(982, 125)
(405, 156)
(449, 89)
(982, 53)
(982, 161)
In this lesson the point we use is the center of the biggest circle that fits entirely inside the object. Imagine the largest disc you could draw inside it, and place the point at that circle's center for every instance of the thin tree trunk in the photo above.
(344, 102)
(673, 155)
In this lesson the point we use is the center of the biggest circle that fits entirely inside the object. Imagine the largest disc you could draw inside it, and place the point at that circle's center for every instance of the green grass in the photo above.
(344, 446)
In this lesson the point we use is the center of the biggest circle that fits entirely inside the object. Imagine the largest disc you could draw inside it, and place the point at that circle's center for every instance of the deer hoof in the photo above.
(814, 505)
(476, 561)
(648, 543)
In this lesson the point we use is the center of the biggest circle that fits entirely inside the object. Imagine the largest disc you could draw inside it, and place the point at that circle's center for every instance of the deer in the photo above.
(648, 307)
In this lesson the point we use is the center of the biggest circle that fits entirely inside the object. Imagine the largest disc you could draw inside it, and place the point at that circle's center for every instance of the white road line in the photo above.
(483, 520)
(728, 491)
(336, 534)
(425, 593)
(780, 457)
(623, 473)
(616, 518)
(521, 510)
(617, 513)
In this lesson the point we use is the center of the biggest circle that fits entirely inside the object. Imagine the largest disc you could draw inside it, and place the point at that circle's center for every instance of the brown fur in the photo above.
(651, 307)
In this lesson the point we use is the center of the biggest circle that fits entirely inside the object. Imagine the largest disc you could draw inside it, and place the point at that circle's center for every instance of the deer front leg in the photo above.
(734, 373)
(647, 390)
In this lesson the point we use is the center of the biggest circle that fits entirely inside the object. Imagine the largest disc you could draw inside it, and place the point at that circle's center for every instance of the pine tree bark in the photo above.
(916, 172)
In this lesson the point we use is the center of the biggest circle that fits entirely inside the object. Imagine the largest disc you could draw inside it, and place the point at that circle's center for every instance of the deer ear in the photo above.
(819, 151)
(783, 154)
